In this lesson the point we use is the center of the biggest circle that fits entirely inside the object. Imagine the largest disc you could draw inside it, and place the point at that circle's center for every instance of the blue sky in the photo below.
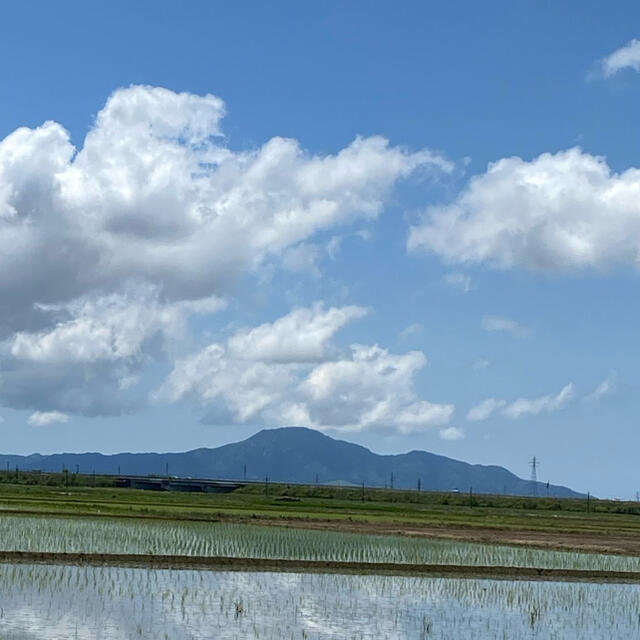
(410, 227)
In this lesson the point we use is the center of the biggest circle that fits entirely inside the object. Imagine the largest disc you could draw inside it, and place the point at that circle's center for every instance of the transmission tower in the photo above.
(534, 476)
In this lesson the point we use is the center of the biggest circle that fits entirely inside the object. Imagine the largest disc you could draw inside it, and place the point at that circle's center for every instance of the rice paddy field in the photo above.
(62, 601)
(150, 537)
(102, 603)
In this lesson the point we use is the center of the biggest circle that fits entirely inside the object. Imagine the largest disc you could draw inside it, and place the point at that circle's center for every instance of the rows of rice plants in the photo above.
(87, 603)
(19, 533)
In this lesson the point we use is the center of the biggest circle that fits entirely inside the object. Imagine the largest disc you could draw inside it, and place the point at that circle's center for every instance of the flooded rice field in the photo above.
(139, 536)
(107, 603)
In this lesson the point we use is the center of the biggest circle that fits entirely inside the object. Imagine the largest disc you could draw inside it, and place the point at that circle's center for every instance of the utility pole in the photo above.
(391, 480)
(363, 491)
(418, 484)
(471, 496)
(244, 471)
(266, 486)
(588, 501)
(534, 463)
(166, 468)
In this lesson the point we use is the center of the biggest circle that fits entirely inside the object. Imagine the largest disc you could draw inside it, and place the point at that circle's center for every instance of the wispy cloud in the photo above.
(507, 325)
(334, 246)
(533, 406)
(412, 331)
(457, 280)
(530, 406)
(605, 388)
(302, 259)
(484, 409)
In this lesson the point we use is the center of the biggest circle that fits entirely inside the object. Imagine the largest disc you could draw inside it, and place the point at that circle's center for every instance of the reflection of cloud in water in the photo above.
(29, 623)
(102, 603)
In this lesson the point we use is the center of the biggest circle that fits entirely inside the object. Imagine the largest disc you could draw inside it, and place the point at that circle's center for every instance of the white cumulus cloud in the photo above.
(304, 380)
(155, 200)
(155, 196)
(44, 418)
(302, 335)
(558, 212)
(95, 352)
(451, 433)
(627, 57)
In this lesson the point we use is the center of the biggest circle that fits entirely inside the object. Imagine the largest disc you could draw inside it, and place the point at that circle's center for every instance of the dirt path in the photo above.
(316, 566)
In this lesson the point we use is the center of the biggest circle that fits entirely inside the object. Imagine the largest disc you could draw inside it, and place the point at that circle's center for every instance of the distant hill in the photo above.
(297, 454)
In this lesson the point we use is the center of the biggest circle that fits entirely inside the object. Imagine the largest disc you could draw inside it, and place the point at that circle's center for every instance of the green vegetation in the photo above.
(131, 536)
(440, 498)
(50, 479)
(66, 513)
(75, 494)
(337, 494)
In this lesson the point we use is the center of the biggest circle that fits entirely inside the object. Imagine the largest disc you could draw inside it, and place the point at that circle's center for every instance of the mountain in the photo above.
(297, 454)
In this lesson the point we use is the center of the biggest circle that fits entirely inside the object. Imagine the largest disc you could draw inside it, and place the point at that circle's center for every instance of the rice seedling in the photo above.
(62, 602)
(59, 534)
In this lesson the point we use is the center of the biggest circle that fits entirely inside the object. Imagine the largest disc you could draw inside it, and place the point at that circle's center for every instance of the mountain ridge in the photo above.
(300, 455)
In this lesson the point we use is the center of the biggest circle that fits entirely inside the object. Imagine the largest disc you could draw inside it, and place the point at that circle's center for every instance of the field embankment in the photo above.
(317, 566)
